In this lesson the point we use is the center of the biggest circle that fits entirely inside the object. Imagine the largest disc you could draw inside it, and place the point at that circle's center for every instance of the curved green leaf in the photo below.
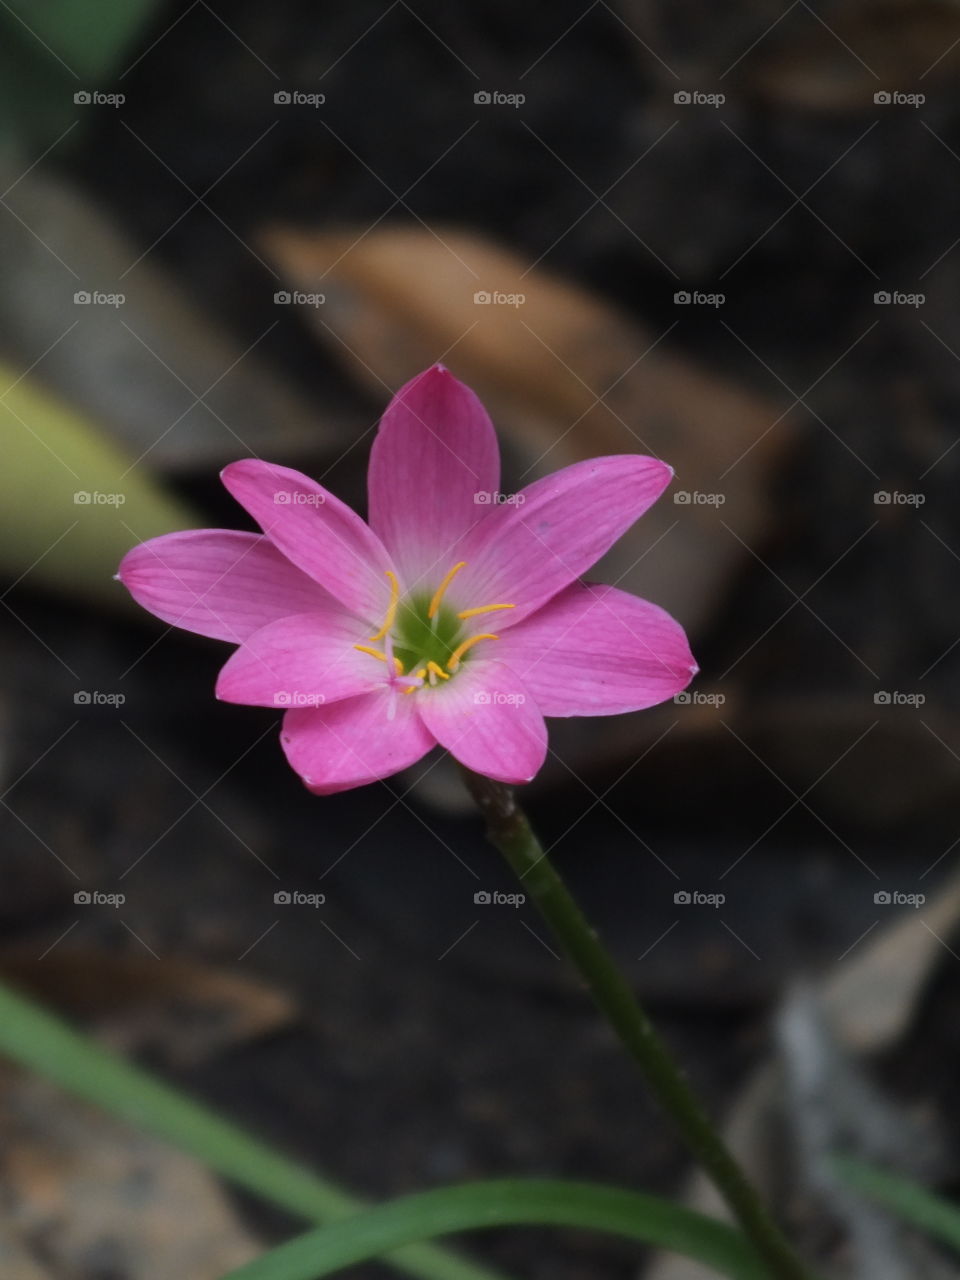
(41, 1042)
(915, 1204)
(509, 1202)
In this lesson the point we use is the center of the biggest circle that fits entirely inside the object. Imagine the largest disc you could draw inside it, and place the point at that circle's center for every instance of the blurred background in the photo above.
(730, 238)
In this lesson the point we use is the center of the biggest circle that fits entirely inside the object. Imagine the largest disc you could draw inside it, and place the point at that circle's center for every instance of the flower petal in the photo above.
(488, 720)
(217, 582)
(529, 550)
(306, 660)
(350, 743)
(435, 451)
(597, 651)
(315, 531)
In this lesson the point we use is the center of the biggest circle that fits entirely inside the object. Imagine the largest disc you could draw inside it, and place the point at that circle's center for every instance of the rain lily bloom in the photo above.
(451, 618)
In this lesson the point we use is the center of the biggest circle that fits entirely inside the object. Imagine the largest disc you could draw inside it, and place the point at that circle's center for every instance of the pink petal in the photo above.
(527, 552)
(217, 582)
(317, 532)
(486, 717)
(597, 651)
(306, 660)
(347, 744)
(435, 451)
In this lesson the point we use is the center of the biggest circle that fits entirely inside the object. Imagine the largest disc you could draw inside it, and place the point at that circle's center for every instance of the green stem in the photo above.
(509, 830)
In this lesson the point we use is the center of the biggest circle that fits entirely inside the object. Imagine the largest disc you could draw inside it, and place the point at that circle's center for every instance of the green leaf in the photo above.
(71, 503)
(82, 37)
(934, 1216)
(42, 1043)
(53, 49)
(509, 1202)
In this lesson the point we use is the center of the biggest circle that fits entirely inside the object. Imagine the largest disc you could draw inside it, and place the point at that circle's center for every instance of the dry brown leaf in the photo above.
(177, 1009)
(567, 376)
(867, 48)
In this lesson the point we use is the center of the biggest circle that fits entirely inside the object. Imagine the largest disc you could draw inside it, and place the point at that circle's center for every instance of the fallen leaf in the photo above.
(177, 1010)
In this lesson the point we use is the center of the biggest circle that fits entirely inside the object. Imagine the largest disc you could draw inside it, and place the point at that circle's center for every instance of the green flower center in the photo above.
(425, 636)
(419, 639)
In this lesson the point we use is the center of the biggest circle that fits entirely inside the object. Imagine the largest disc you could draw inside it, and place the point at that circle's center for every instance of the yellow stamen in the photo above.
(374, 653)
(484, 608)
(438, 594)
(436, 670)
(392, 608)
(417, 675)
(461, 649)
(398, 664)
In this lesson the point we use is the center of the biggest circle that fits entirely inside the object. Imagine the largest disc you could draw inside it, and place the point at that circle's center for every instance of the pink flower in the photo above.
(453, 617)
